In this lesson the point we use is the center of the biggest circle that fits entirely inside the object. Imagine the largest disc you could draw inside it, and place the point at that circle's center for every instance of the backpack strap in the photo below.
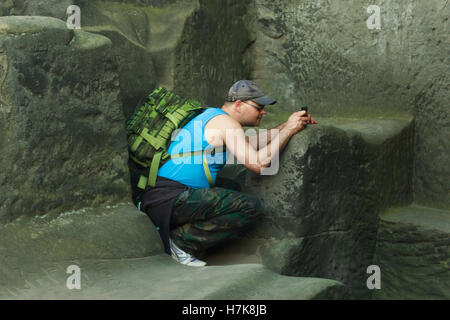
(153, 172)
(156, 142)
(177, 116)
(207, 172)
(204, 162)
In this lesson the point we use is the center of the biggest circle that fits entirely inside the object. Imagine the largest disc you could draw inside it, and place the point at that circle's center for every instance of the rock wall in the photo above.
(144, 39)
(193, 47)
(211, 55)
(412, 251)
(321, 210)
(62, 128)
(183, 45)
(125, 233)
(65, 96)
(50, 8)
(321, 53)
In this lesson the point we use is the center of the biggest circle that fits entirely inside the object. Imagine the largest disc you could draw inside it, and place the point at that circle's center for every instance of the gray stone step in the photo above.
(109, 232)
(413, 253)
(321, 209)
(62, 133)
(120, 256)
(160, 277)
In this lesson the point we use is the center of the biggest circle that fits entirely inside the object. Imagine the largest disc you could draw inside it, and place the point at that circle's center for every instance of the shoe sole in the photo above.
(190, 264)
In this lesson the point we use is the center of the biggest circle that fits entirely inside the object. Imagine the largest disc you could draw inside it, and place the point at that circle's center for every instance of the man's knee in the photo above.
(254, 207)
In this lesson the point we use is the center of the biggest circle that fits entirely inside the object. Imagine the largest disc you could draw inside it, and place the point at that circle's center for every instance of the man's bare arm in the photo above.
(263, 138)
(255, 161)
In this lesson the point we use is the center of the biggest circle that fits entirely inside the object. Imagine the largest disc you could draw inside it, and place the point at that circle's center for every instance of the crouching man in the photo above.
(190, 213)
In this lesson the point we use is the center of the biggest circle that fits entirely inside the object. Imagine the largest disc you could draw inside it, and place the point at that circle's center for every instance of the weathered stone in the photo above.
(323, 55)
(183, 45)
(276, 253)
(232, 176)
(104, 243)
(176, 44)
(51, 8)
(62, 129)
(109, 232)
(211, 54)
(413, 252)
(335, 167)
(325, 199)
(322, 209)
(134, 33)
(160, 277)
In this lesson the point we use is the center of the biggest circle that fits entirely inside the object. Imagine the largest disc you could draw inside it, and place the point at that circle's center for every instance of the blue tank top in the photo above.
(189, 170)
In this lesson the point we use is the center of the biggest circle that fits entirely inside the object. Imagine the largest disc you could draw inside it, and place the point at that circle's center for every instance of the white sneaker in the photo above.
(184, 257)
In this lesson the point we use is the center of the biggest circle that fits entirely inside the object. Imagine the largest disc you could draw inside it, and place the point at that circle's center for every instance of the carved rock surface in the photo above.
(62, 128)
(413, 252)
(321, 209)
(193, 47)
(322, 54)
(160, 277)
(50, 8)
(107, 232)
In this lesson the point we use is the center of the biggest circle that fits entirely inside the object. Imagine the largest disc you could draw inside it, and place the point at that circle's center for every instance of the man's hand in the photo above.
(311, 120)
(297, 121)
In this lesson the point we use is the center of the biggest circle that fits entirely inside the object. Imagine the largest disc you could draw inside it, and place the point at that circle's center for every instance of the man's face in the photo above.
(253, 113)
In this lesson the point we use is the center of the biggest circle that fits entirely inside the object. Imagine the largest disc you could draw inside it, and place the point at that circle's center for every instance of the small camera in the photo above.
(305, 108)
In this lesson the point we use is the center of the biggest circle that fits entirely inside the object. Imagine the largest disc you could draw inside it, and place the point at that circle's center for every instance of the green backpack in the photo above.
(150, 130)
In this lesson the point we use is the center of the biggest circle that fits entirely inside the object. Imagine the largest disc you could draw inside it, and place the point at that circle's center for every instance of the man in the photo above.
(189, 213)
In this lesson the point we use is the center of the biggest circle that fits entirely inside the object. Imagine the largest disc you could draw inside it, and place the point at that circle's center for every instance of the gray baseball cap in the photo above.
(248, 90)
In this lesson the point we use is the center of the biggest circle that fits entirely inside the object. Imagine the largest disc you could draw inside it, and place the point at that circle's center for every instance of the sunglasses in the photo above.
(258, 107)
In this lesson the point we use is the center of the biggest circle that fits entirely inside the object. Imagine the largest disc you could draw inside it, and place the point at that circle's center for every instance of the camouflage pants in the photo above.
(202, 218)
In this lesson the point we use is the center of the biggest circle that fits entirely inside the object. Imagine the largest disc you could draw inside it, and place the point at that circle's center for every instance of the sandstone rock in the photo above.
(412, 251)
(51, 8)
(322, 207)
(160, 277)
(63, 140)
(108, 232)
(192, 47)
(232, 176)
(120, 256)
(211, 54)
(323, 55)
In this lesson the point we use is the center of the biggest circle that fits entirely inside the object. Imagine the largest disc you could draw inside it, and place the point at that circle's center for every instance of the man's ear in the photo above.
(238, 106)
